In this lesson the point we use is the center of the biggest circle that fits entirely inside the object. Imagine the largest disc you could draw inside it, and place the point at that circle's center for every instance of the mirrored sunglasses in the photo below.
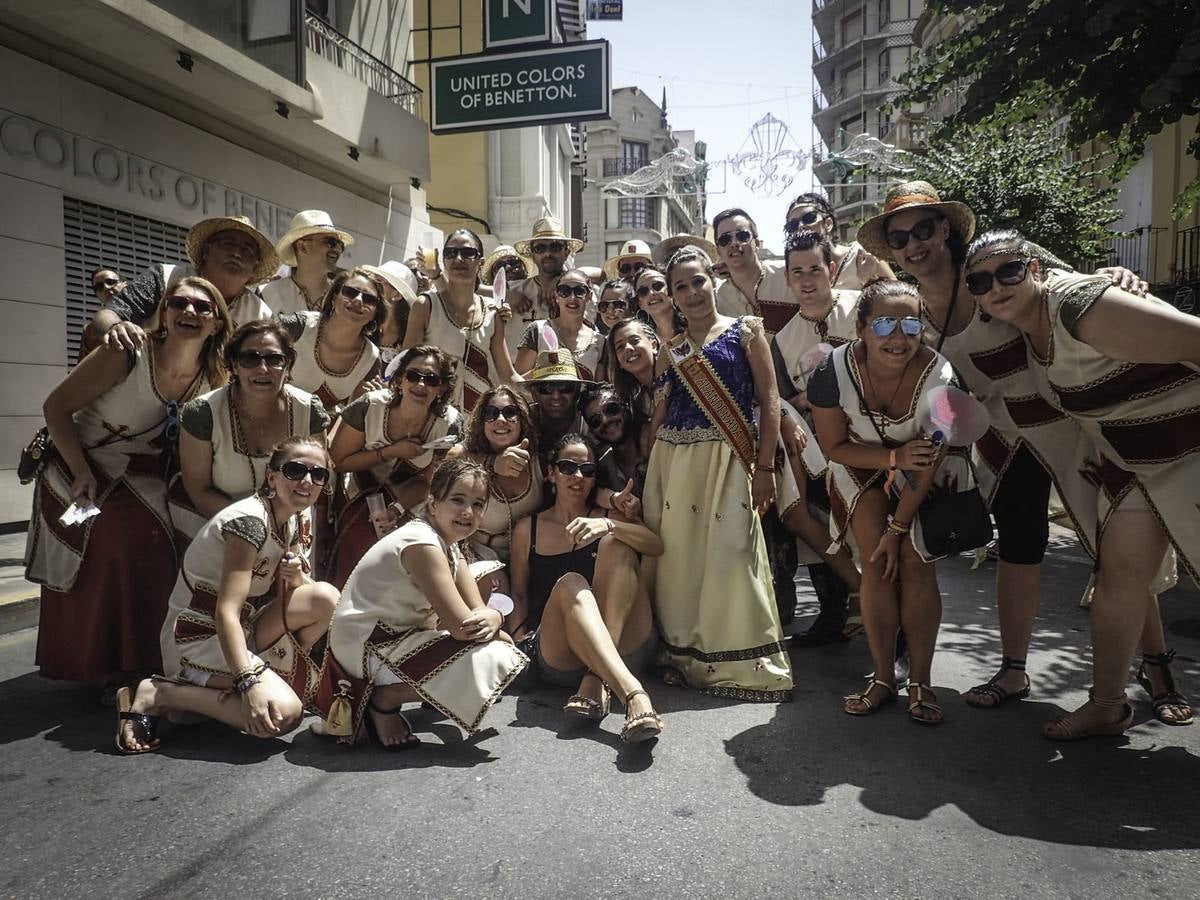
(910, 326)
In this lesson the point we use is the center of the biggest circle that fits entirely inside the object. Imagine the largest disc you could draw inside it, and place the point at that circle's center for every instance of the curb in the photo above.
(18, 613)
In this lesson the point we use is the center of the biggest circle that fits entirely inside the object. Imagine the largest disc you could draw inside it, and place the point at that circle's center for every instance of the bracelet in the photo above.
(892, 460)
(761, 468)
(248, 679)
(896, 528)
(608, 524)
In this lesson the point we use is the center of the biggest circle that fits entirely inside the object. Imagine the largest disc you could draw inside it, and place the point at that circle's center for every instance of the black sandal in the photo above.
(410, 742)
(992, 687)
(1171, 695)
(145, 726)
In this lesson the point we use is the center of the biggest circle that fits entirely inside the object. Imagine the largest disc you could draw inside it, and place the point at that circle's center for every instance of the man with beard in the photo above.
(618, 445)
(533, 298)
(312, 247)
(554, 385)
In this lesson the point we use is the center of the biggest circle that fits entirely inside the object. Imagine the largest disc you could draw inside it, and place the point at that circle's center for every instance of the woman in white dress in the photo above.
(571, 329)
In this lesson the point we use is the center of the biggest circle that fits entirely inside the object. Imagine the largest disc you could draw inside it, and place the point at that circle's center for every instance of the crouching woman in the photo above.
(411, 626)
(243, 617)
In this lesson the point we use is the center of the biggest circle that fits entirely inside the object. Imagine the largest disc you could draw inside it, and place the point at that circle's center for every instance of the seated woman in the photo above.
(243, 615)
(114, 421)
(502, 437)
(864, 398)
(577, 595)
(385, 441)
(1124, 368)
(229, 434)
(573, 331)
(410, 625)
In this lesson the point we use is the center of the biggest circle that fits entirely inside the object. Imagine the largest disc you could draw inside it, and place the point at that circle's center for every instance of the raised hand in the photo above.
(513, 461)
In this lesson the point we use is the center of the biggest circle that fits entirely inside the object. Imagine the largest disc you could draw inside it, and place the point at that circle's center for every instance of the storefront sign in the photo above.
(510, 22)
(564, 83)
(600, 10)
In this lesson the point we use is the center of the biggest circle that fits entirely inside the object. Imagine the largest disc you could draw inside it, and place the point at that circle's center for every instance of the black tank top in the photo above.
(545, 570)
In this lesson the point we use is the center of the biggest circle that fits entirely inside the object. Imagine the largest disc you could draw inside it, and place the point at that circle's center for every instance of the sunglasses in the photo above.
(656, 286)
(246, 248)
(922, 231)
(615, 305)
(570, 467)
(171, 428)
(293, 470)
(572, 290)
(252, 359)
(609, 410)
(551, 247)
(461, 253)
(350, 293)
(1011, 272)
(412, 376)
(910, 326)
(743, 237)
(810, 218)
(507, 413)
(199, 307)
(331, 242)
(631, 268)
(105, 283)
(547, 389)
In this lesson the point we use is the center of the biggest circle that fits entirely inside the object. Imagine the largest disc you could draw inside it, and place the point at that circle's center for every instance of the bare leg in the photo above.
(391, 729)
(802, 523)
(880, 607)
(1017, 598)
(921, 616)
(308, 611)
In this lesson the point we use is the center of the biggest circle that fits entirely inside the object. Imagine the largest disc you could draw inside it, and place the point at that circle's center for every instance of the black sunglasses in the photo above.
(201, 308)
(609, 410)
(461, 253)
(577, 290)
(507, 413)
(632, 268)
(743, 237)
(1011, 272)
(105, 283)
(922, 231)
(616, 305)
(294, 470)
(560, 388)
(656, 286)
(171, 428)
(252, 359)
(551, 247)
(350, 293)
(412, 376)
(331, 242)
(570, 467)
(810, 218)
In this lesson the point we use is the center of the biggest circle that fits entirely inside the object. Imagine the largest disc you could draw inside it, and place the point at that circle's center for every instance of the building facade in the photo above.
(859, 48)
(124, 122)
(637, 134)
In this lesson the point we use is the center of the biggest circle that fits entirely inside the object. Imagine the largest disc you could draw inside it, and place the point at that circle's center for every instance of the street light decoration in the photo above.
(770, 168)
(653, 177)
(865, 151)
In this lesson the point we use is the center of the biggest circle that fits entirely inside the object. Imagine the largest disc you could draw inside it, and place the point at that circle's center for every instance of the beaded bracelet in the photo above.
(896, 528)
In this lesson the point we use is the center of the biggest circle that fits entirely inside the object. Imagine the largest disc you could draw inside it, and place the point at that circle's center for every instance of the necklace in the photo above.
(820, 323)
(899, 383)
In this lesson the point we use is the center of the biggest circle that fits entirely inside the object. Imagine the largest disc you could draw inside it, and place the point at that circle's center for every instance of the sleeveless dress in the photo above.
(353, 531)
(190, 647)
(587, 357)
(333, 388)
(493, 540)
(384, 631)
(470, 347)
(712, 588)
(1142, 419)
(105, 582)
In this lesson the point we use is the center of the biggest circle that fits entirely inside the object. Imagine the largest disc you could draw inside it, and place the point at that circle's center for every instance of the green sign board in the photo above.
(563, 83)
(510, 22)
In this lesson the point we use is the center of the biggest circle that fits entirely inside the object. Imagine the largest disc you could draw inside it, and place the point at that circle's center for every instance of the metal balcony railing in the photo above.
(327, 42)
(615, 166)
(1186, 264)
(821, 52)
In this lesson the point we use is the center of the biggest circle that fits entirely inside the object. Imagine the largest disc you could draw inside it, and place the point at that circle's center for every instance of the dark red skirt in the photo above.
(110, 621)
(355, 536)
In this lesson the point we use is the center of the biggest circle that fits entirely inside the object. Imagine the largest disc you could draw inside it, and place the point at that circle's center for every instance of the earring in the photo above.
(269, 492)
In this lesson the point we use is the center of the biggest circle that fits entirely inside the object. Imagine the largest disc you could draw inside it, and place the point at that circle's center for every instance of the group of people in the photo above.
(351, 489)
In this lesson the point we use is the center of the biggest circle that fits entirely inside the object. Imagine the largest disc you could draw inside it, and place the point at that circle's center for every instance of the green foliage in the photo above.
(1018, 178)
(1121, 69)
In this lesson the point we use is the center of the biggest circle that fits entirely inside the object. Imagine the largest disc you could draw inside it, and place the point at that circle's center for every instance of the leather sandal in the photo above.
(919, 702)
(1063, 729)
(410, 741)
(644, 727)
(1170, 695)
(589, 707)
(863, 697)
(991, 689)
(145, 726)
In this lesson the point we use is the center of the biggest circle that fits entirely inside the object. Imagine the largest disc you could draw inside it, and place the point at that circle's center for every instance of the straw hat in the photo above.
(914, 195)
(201, 233)
(554, 365)
(665, 249)
(504, 251)
(399, 276)
(305, 223)
(548, 228)
(629, 250)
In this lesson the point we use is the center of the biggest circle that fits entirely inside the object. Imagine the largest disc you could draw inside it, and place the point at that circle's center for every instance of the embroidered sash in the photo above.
(715, 401)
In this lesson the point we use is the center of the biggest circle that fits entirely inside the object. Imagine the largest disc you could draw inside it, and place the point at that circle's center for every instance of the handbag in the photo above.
(35, 455)
(952, 522)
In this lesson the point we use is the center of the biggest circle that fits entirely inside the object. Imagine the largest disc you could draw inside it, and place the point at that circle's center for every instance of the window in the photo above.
(633, 212)
(853, 80)
(885, 71)
(885, 12)
(97, 236)
(852, 26)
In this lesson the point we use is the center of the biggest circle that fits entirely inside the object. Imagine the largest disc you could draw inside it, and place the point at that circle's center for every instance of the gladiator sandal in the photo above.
(1170, 696)
(996, 695)
(1064, 728)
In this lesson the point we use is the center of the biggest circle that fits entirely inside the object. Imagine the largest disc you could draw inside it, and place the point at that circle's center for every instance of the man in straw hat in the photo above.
(630, 260)
(533, 298)
(312, 246)
(554, 384)
(755, 287)
(228, 250)
(516, 267)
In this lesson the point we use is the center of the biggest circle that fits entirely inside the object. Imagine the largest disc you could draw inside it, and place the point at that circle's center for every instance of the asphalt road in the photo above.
(738, 800)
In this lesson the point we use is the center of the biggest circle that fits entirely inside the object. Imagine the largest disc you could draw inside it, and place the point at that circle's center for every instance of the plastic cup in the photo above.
(377, 507)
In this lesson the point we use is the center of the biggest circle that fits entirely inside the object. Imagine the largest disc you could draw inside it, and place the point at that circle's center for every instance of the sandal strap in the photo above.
(635, 693)
(1008, 662)
(862, 696)
(1162, 661)
(147, 723)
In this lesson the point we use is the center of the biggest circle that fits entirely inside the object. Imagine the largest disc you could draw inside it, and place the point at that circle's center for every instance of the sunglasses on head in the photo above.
(507, 413)
(743, 237)
(199, 307)
(609, 410)
(104, 283)
(922, 231)
(368, 299)
(810, 218)
(631, 268)
(252, 359)
(572, 290)
(412, 376)
(1009, 273)
(657, 286)
(615, 305)
(560, 388)
(294, 470)
(549, 247)
(910, 326)
(461, 253)
(570, 467)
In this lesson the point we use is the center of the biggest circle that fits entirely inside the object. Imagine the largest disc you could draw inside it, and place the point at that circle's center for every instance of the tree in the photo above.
(1018, 177)
(1121, 69)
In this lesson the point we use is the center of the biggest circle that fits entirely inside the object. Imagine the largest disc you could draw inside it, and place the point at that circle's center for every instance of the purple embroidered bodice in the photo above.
(727, 356)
